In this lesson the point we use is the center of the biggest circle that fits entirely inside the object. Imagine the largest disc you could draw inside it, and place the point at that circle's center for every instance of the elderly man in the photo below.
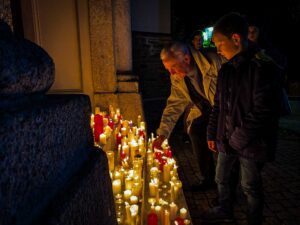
(193, 78)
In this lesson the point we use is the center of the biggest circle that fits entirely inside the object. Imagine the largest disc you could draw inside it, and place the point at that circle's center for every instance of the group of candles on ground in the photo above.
(154, 189)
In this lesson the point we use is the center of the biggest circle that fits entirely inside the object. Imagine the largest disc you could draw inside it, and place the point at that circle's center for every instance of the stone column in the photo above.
(122, 35)
(111, 54)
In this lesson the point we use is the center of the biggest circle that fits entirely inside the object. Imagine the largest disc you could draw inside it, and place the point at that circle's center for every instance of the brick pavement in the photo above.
(281, 179)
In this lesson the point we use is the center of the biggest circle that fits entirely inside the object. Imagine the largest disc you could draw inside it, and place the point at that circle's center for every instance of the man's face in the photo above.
(253, 33)
(178, 66)
(197, 41)
(227, 47)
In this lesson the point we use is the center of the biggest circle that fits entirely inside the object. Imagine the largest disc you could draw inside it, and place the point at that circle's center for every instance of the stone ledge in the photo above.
(128, 87)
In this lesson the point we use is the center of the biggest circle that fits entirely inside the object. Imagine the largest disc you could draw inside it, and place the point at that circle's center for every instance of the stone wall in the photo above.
(154, 80)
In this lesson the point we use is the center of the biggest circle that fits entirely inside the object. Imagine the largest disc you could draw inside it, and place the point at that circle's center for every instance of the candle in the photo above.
(98, 126)
(116, 184)
(179, 221)
(128, 183)
(128, 214)
(153, 188)
(134, 209)
(187, 222)
(111, 160)
(127, 195)
(183, 213)
(158, 211)
(137, 188)
(166, 217)
(173, 210)
(123, 131)
(125, 148)
(166, 172)
(152, 218)
(102, 139)
(97, 110)
(105, 121)
(139, 119)
(134, 199)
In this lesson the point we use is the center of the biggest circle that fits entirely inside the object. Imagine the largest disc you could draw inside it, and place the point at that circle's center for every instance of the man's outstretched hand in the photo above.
(158, 142)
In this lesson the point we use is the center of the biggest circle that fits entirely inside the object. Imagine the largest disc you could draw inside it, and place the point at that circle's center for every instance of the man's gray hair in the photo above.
(174, 49)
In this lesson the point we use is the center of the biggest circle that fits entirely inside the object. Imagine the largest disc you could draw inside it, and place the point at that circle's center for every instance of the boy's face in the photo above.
(227, 47)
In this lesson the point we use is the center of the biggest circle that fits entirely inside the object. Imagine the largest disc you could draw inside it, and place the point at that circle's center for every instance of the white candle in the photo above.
(159, 212)
(137, 188)
(153, 188)
(123, 131)
(116, 186)
(166, 172)
(134, 209)
(127, 195)
(102, 138)
(125, 148)
(111, 160)
(128, 183)
(183, 213)
(128, 214)
(134, 199)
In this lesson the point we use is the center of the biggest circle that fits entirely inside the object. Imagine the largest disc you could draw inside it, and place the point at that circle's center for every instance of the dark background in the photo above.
(278, 21)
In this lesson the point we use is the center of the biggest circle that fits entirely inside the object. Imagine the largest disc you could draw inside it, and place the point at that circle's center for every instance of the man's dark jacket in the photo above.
(244, 119)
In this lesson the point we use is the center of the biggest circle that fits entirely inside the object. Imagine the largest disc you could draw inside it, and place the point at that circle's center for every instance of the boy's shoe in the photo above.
(217, 215)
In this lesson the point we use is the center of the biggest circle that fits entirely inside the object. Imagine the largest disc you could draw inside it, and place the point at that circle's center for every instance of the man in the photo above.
(193, 79)
(244, 120)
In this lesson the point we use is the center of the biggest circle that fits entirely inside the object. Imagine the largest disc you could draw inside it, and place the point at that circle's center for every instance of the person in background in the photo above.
(243, 123)
(193, 81)
(197, 40)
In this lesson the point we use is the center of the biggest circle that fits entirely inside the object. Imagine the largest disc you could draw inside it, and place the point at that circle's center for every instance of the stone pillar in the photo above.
(102, 49)
(111, 58)
(122, 35)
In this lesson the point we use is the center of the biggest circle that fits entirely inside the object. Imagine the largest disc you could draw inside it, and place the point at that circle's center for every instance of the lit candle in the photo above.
(116, 184)
(187, 222)
(97, 110)
(127, 195)
(166, 217)
(166, 173)
(139, 119)
(128, 214)
(111, 160)
(137, 188)
(173, 210)
(183, 213)
(123, 131)
(105, 121)
(153, 188)
(102, 139)
(134, 209)
(134, 199)
(128, 183)
(158, 211)
(152, 218)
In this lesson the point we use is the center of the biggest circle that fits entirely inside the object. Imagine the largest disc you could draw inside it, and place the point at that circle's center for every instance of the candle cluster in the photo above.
(164, 188)
(138, 172)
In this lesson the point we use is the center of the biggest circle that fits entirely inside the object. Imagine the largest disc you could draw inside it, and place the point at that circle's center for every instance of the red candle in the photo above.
(98, 126)
(152, 218)
(168, 153)
(179, 221)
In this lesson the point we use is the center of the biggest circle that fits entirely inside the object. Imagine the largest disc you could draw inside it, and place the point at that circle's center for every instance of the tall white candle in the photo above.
(116, 184)
(111, 160)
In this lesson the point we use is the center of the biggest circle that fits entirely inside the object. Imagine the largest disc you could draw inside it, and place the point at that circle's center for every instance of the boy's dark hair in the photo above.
(232, 23)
